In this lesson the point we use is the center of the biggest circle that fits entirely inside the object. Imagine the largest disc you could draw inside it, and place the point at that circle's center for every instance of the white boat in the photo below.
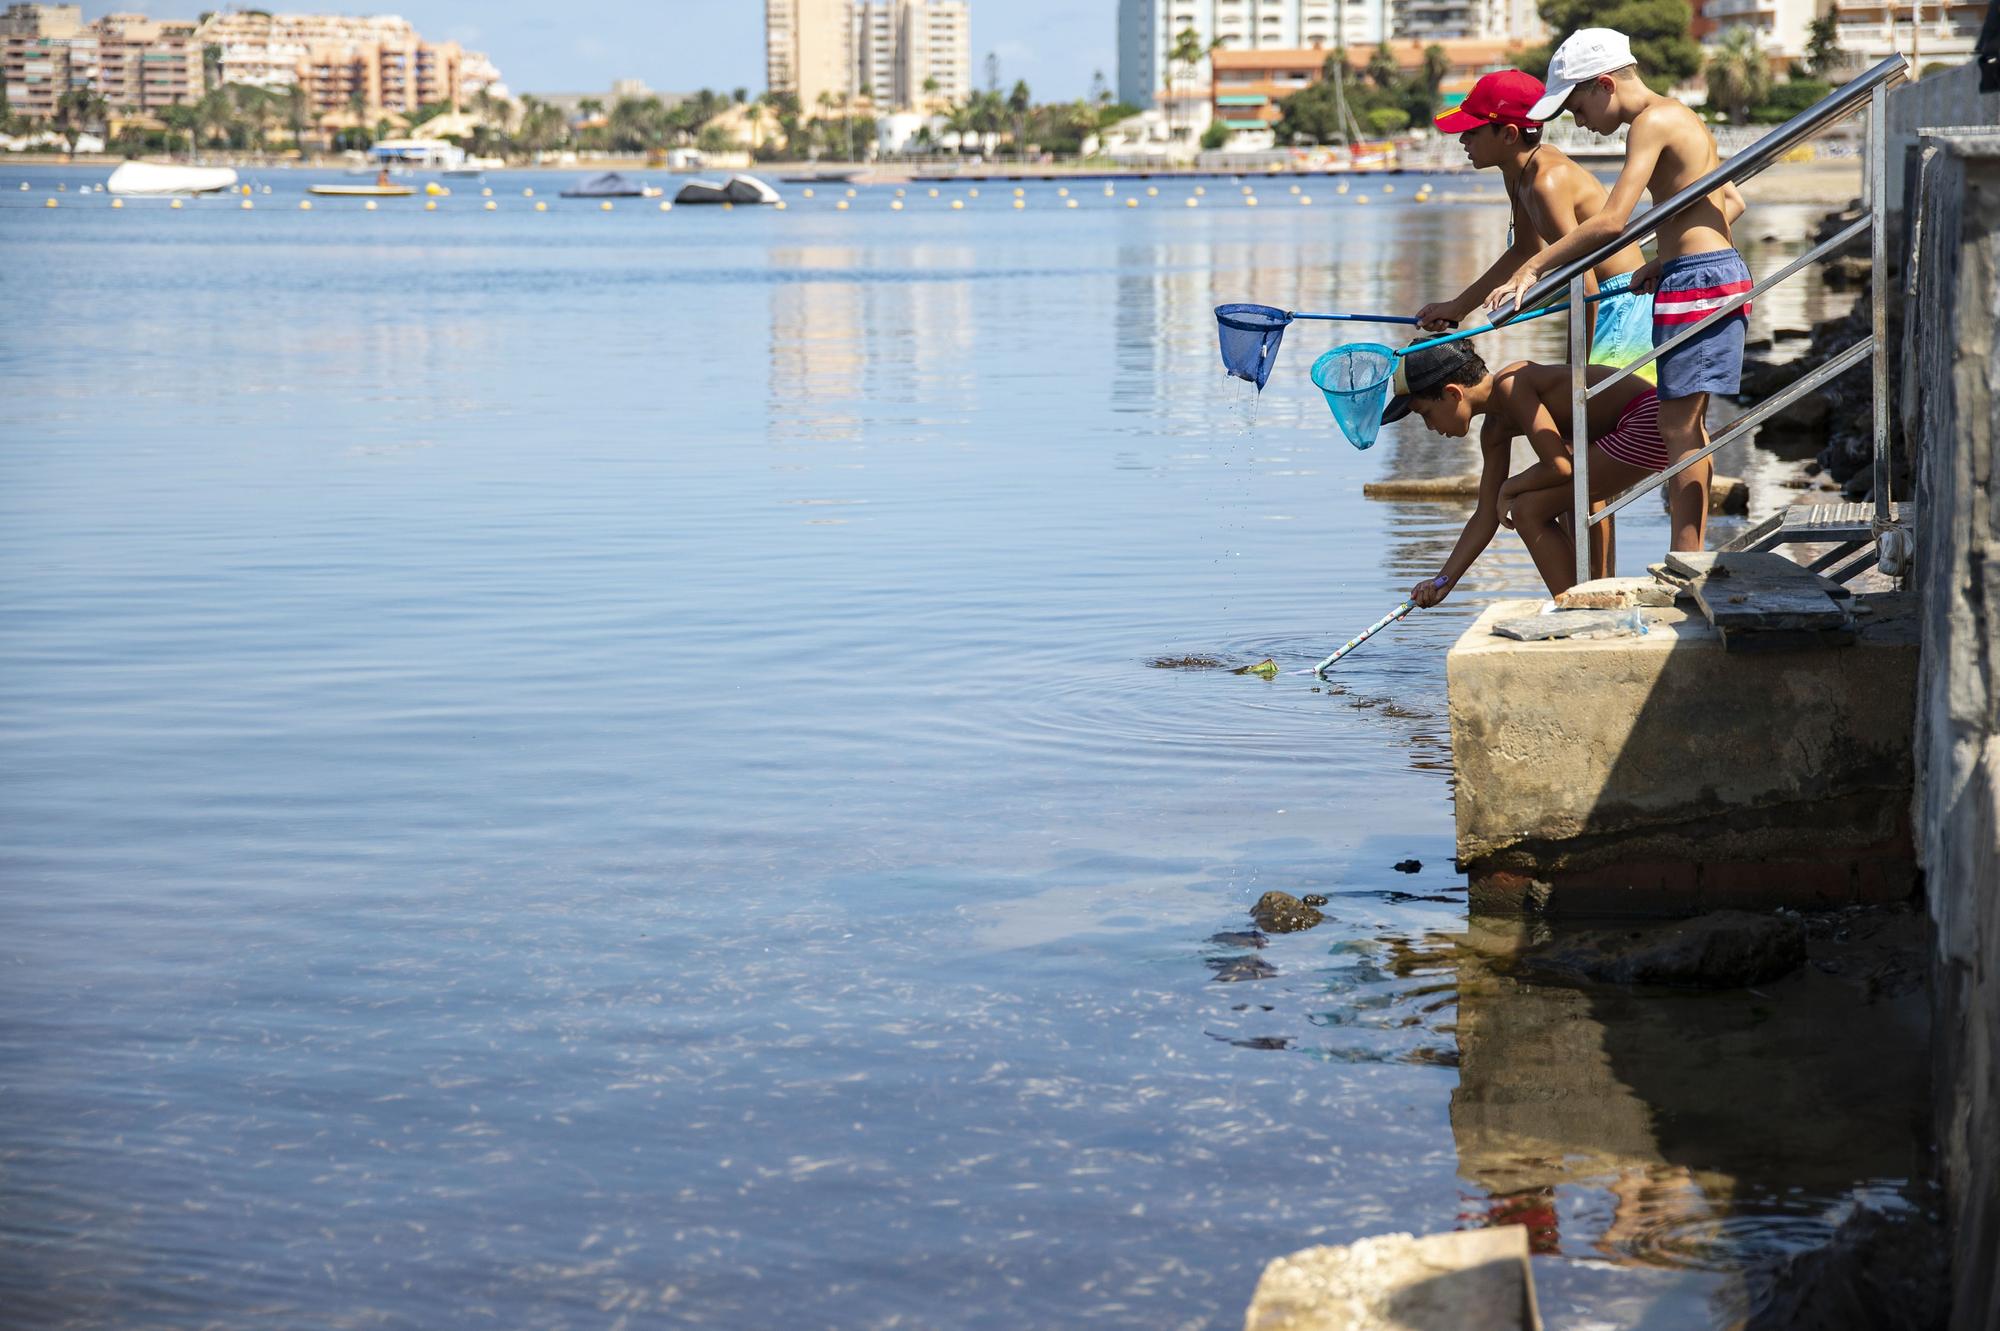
(166, 178)
(736, 189)
(362, 191)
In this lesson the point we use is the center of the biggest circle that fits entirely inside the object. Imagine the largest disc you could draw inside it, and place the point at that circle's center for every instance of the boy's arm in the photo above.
(1732, 203)
(1643, 145)
(1520, 401)
(1496, 448)
(1435, 316)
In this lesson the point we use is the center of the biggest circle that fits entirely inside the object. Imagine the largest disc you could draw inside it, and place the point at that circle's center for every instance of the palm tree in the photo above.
(1020, 101)
(1186, 56)
(295, 114)
(542, 126)
(1739, 75)
(77, 108)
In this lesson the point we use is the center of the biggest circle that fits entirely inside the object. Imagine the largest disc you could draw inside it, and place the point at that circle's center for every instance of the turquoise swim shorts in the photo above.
(1624, 329)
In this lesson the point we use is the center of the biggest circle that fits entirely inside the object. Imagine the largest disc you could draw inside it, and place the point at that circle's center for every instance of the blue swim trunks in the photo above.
(1624, 328)
(1690, 287)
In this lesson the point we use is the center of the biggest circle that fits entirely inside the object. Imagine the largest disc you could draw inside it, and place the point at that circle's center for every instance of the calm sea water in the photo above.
(587, 769)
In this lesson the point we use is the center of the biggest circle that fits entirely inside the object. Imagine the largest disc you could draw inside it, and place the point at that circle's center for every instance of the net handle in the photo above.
(1356, 318)
(1487, 328)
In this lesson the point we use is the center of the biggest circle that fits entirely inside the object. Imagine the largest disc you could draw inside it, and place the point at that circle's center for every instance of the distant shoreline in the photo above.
(1832, 181)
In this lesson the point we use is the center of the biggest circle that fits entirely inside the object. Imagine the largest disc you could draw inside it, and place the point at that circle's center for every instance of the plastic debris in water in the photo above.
(1266, 668)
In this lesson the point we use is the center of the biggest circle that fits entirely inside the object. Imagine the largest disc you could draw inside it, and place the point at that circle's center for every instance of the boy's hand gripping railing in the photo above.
(1871, 88)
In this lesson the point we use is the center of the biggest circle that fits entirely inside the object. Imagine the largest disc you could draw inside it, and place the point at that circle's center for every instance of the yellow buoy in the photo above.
(1063, 193)
(1020, 203)
(1305, 199)
(1069, 203)
(1194, 203)
(958, 203)
(728, 207)
(175, 204)
(118, 203)
(895, 205)
(604, 207)
(492, 207)
(527, 194)
(933, 192)
(246, 189)
(370, 205)
(1131, 203)
(541, 207)
(1249, 189)
(488, 191)
(430, 205)
(435, 190)
(850, 194)
(840, 205)
(305, 205)
(899, 193)
(248, 205)
(48, 203)
(1250, 202)
(779, 205)
(266, 189)
(666, 205)
(1019, 192)
(1295, 189)
(809, 194)
(1361, 198)
(1341, 188)
(1152, 191)
(974, 192)
(1201, 189)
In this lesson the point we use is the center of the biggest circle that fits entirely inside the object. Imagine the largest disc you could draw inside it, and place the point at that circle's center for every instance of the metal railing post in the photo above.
(1579, 429)
(1878, 256)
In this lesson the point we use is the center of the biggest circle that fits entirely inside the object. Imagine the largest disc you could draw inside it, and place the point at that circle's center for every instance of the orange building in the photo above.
(1249, 85)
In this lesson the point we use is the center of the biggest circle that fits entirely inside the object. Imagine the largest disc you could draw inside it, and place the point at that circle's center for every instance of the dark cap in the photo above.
(1422, 373)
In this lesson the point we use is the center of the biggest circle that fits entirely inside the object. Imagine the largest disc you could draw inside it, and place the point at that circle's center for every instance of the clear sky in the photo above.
(680, 45)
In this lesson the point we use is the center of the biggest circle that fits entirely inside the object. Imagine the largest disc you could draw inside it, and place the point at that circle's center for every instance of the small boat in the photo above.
(464, 173)
(821, 178)
(610, 185)
(362, 191)
(163, 178)
(736, 189)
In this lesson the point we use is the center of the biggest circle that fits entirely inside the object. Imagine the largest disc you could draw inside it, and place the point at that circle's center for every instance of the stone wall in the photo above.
(1951, 97)
(1951, 410)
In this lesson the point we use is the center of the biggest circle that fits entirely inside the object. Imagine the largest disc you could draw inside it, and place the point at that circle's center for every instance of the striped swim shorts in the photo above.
(1635, 439)
(1624, 327)
(1690, 287)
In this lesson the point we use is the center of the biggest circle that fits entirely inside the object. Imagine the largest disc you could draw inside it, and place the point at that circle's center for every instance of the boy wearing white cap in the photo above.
(1667, 148)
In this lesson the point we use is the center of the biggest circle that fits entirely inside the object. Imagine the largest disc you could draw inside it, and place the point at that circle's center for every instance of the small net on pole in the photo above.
(1250, 335)
(1356, 381)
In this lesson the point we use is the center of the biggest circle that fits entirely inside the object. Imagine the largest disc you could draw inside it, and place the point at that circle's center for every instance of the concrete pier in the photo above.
(1663, 775)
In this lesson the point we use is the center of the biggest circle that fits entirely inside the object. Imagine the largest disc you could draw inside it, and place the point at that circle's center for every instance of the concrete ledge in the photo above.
(1662, 775)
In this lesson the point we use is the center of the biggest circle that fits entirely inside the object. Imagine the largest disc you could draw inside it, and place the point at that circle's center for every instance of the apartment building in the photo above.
(45, 51)
(1517, 21)
(1148, 31)
(1927, 31)
(1250, 85)
(891, 48)
(146, 63)
(41, 21)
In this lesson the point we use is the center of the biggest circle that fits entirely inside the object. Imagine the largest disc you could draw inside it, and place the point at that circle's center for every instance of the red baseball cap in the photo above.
(1498, 99)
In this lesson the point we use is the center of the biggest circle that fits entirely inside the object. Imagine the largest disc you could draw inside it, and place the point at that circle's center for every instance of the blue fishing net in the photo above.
(1250, 335)
(1356, 380)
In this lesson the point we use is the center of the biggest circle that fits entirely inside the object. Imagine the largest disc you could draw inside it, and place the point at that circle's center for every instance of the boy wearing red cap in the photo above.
(1551, 196)
(1594, 77)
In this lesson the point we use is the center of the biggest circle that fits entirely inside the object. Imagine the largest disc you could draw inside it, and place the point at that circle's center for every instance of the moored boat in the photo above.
(736, 189)
(362, 191)
(610, 185)
(169, 178)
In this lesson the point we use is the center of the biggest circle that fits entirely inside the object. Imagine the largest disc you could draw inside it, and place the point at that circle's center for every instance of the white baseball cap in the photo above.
(1588, 53)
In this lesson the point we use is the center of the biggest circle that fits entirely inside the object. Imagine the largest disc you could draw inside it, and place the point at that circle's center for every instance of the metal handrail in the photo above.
(1820, 115)
(1871, 88)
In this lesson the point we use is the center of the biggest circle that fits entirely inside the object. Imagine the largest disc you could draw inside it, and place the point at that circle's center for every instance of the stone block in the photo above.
(1615, 594)
(1474, 1280)
(1586, 766)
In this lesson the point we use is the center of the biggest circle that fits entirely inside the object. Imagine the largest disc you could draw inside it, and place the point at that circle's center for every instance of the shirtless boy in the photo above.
(1551, 196)
(1667, 148)
(1449, 387)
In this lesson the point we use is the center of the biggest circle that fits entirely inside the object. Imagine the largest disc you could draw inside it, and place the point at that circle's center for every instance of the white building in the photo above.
(1781, 26)
(1467, 20)
(1869, 30)
(1148, 30)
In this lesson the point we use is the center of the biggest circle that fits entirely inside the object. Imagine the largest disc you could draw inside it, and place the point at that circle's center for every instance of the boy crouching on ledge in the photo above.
(1449, 387)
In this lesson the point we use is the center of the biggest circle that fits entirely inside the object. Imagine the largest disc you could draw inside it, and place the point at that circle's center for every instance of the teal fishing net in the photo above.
(1356, 381)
